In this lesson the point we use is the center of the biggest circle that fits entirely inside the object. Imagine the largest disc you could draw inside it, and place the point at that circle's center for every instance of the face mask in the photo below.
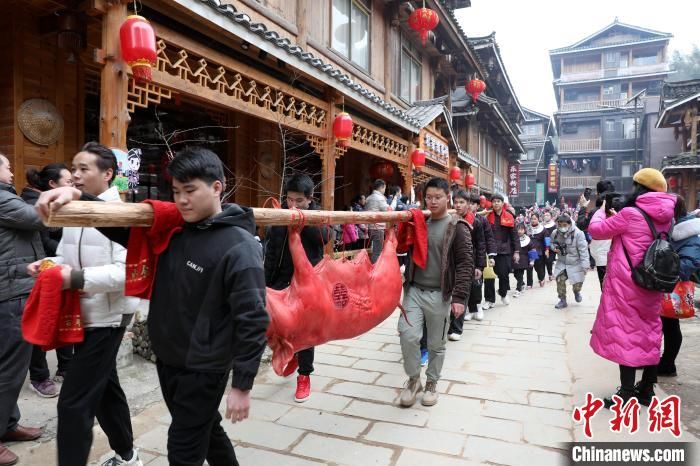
(563, 229)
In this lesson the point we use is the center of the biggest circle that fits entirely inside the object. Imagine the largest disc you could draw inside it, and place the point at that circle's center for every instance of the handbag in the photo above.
(679, 303)
(489, 274)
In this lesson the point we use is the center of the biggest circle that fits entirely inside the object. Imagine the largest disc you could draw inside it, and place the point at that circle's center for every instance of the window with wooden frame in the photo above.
(408, 78)
(350, 31)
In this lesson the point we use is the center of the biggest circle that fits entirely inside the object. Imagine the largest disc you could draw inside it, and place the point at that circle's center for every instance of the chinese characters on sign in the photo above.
(552, 181)
(663, 415)
(513, 179)
(436, 150)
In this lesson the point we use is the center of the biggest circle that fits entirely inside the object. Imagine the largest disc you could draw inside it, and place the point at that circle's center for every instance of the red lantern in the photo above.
(469, 181)
(455, 173)
(342, 129)
(423, 20)
(475, 87)
(382, 171)
(138, 45)
(418, 158)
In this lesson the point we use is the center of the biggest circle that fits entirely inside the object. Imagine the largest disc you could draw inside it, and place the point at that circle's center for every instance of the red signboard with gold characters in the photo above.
(552, 179)
(513, 179)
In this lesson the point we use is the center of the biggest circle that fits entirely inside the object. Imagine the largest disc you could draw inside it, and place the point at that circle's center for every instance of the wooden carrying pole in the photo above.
(119, 214)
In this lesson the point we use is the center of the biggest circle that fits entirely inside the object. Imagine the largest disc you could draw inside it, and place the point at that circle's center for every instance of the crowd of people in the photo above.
(205, 275)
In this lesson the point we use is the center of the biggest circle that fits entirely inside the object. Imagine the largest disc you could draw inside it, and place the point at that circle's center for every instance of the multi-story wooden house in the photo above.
(538, 138)
(258, 81)
(599, 84)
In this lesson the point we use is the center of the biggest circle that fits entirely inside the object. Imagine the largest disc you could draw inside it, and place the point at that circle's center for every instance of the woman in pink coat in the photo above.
(627, 328)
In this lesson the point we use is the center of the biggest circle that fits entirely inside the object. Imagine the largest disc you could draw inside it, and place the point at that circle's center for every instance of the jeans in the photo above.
(14, 362)
(429, 308)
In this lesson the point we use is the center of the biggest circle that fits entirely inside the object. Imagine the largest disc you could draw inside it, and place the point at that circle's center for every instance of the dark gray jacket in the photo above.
(20, 243)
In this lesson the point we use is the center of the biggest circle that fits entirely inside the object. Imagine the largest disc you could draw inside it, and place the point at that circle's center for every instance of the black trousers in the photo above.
(14, 362)
(673, 338)
(195, 432)
(424, 338)
(91, 389)
(628, 376)
(601, 269)
(549, 263)
(519, 275)
(39, 369)
(457, 323)
(502, 269)
(306, 361)
(539, 268)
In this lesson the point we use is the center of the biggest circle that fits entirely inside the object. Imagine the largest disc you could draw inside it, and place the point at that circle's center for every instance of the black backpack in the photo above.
(660, 268)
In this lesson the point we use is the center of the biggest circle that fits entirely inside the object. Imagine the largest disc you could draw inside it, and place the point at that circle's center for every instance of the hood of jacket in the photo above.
(30, 195)
(686, 227)
(231, 215)
(658, 206)
(7, 187)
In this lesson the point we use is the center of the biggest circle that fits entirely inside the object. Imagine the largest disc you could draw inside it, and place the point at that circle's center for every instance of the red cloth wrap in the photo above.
(414, 234)
(507, 219)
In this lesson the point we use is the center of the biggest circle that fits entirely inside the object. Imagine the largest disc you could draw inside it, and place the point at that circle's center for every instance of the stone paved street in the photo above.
(506, 397)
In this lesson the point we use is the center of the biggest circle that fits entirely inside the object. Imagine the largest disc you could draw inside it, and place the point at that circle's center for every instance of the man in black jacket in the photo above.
(279, 268)
(20, 245)
(207, 313)
(502, 223)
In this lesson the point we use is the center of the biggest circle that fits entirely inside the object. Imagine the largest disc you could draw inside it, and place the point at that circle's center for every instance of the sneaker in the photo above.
(516, 294)
(117, 460)
(468, 315)
(541, 283)
(423, 358)
(578, 297)
(529, 287)
(505, 300)
(454, 337)
(625, 394)
(561, 304)
(430, 395)
(303, 388)
(479, 315)
(410, 391)
(58, 378)
(487, 305)
(45, 388)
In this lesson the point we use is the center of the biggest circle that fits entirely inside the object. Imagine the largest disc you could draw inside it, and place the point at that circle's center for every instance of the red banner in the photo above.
(513, 180)
(552, 179)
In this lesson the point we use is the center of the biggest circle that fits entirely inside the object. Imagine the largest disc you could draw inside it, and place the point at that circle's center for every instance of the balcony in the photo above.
(620, 144)
(600, 73)
(579, 145)
(578, 182)
(594, 105)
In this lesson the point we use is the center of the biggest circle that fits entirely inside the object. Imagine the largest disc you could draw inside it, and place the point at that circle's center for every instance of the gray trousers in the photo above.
(376, 238)
(15, 354)
(424, 306)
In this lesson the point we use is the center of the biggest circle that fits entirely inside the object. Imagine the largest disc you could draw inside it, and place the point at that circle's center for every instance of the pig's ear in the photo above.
(284, 362)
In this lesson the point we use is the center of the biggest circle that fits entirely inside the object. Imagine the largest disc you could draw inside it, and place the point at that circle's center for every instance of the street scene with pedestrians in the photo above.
(349, 232)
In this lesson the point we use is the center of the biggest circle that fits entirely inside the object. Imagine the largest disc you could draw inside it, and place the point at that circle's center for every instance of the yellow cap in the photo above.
(652, 179)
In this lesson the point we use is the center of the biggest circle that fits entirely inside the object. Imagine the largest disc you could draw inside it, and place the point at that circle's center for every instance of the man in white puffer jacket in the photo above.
(95, 265)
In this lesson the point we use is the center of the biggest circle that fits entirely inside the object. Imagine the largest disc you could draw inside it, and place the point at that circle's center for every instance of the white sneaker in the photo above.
(468, 315)
(479, 315)
(117, 460)
(454, 336)
(505, 300)
(516, 294)
(486, 306)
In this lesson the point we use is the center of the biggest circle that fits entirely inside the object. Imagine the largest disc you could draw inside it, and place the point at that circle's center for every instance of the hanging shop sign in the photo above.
(552, 179)
(513, 179)
(436, 150)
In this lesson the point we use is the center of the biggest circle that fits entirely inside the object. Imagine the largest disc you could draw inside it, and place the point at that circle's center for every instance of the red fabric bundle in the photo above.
(507, 219)
(414, 233)
(146, 244)
(51, 316)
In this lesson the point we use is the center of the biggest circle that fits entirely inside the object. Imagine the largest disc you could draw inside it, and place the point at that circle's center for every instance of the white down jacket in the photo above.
(103, 262)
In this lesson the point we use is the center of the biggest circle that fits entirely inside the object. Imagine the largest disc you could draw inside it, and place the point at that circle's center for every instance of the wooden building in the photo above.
(538, 137)
(680, 110)
(257, 81)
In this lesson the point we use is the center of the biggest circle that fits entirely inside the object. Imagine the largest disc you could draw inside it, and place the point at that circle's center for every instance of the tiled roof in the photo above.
(655, 35)
(243, 20)
(681, 160)
(427, 110)
(680, 89)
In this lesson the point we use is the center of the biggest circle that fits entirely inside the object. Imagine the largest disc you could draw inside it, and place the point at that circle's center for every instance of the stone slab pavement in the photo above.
(506, 397)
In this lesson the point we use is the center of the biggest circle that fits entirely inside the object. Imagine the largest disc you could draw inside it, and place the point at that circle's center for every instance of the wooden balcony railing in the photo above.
(578, 182)
(593, 105)
(579, 145)
(583, 74)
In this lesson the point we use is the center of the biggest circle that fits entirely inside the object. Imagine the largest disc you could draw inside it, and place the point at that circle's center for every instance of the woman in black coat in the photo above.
(537, 235)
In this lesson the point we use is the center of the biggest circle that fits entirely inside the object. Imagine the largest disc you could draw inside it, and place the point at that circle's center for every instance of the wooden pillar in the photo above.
(302, 28)
(114, 117)
(408, 178)
(328, 155)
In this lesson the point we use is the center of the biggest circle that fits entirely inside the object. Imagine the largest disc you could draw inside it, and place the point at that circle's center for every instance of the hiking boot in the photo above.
(423, 358)
(624, 393)
(410, 391)
(454, 336)
(430, 395)
(303, 388)
(644, 392)
(45, 388)
(7, 458)
(578, 297)
(479, 315)
(561, 304)
(117, 460)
